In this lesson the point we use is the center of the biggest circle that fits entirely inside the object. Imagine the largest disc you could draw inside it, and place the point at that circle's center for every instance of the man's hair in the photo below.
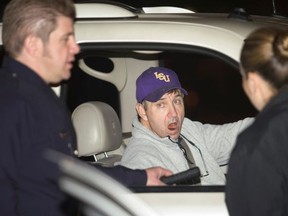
(32, 17)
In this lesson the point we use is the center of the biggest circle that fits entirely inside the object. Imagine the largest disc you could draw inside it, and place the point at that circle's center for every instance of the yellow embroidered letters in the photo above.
(161, 76)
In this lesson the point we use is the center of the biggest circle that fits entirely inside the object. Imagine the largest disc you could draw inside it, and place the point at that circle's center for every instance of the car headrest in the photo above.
(97, 127)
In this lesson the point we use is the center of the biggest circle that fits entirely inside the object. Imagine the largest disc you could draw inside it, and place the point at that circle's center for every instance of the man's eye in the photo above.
(178, 101)
(160, 105)
(66, 38)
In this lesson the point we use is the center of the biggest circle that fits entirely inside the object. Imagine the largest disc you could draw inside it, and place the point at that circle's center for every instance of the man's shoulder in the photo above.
(188, 124)
(145, 144)
(12, 98)
(8, 80)
(139, 142)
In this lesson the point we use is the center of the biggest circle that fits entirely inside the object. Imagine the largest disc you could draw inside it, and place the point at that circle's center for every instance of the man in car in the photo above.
(161, 136)
(38, 37)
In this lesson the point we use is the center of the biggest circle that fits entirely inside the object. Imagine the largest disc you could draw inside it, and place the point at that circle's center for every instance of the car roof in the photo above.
(264, 7)
(162, 25)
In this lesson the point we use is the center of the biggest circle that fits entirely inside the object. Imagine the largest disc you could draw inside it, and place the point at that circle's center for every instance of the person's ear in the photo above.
(32, 45)
(259, 91)
(141, 111)
(253, 82)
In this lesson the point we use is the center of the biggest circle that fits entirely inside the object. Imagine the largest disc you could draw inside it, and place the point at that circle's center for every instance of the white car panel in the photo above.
(186, 204)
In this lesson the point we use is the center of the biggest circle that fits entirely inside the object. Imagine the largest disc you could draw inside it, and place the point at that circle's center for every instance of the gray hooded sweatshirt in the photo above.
(145, 149)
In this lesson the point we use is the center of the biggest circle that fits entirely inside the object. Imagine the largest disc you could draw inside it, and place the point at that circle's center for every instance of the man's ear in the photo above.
(32, 45)
(141, 111)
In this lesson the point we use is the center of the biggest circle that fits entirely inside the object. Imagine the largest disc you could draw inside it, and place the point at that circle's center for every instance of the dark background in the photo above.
(259, 7)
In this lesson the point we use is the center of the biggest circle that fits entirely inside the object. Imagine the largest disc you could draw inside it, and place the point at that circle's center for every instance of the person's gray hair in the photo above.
(32, 17)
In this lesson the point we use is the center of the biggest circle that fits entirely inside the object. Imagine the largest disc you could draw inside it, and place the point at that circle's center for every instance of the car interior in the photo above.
(212, 80)
(101, 98)
(99, 133)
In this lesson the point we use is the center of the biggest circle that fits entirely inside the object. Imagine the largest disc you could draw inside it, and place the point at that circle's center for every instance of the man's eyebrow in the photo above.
(68, 34)
(177, 94)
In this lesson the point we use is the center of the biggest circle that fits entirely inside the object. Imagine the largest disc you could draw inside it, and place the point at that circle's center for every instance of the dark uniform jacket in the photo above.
(257, 182)
(33, 119)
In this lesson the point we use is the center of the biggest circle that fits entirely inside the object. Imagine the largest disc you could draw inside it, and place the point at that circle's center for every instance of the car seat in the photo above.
(98, 132)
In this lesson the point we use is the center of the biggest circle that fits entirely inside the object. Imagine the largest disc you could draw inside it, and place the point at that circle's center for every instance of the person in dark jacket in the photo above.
(38, 37)
(257, 181)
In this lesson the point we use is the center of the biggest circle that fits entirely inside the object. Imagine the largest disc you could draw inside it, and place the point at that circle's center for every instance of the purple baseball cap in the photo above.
(154, 82)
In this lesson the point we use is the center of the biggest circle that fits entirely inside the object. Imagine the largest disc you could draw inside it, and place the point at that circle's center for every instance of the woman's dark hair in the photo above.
(265, 51)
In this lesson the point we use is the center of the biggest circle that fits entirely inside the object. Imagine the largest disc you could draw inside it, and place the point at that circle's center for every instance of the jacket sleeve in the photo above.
(125, 176)
(220, 139)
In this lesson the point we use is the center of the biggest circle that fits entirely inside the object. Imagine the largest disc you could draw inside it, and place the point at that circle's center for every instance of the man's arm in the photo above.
(130, 177)
(220, 139)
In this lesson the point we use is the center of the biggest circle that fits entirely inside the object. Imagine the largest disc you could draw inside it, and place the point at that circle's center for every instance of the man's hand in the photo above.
(154, 174)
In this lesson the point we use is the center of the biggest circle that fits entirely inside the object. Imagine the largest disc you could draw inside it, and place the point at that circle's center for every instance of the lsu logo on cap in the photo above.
(162, 76)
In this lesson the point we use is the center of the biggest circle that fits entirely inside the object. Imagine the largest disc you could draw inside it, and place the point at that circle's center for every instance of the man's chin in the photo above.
(60, 79)
(174, 135)
(66, 76)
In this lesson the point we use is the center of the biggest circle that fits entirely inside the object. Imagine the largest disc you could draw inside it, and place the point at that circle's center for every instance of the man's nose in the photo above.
(75, 48)
(172, 110)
